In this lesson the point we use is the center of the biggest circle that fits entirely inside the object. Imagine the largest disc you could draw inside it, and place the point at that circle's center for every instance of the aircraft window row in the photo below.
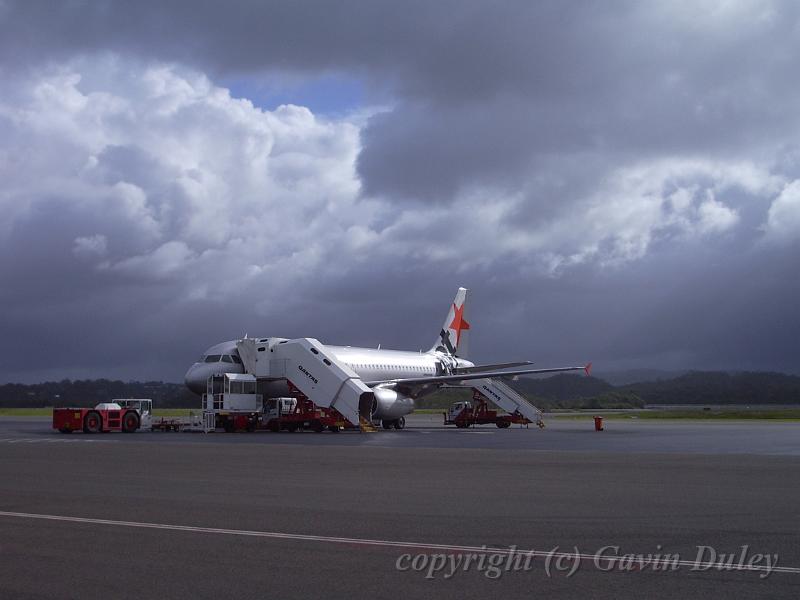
(403, 367)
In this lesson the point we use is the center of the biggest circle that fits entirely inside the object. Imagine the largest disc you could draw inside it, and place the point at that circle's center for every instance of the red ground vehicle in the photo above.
(104, 417)
(297, 413)
(465, 414)
(231, 402)
(293, 414)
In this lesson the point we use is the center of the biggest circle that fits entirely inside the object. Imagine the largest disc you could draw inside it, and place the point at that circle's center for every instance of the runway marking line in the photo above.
(609, 560)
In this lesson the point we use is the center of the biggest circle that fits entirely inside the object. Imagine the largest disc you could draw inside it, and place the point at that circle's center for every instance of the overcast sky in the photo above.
(615, 181)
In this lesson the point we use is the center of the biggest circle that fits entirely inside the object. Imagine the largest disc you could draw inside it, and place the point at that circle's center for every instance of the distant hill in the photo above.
(563, 387)
(629, 376)
(559, 391)
(715, 387)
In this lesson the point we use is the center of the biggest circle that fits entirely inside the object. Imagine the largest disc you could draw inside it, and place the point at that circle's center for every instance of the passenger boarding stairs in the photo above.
(507, 398)
(306, 364)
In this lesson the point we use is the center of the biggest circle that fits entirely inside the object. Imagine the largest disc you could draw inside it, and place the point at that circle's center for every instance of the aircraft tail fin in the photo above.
(454, 336)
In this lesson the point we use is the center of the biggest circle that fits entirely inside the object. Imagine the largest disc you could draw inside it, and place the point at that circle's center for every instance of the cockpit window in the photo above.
(236, 359)
(227, 358)
(213, 358)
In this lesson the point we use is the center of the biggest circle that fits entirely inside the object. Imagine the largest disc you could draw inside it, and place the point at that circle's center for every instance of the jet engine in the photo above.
(390, 404)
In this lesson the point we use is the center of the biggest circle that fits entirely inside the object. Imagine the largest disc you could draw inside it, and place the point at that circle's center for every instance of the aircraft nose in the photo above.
(195, 378)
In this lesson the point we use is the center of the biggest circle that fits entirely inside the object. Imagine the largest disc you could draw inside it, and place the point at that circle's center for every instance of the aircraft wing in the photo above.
(413, 381)
(477, 368)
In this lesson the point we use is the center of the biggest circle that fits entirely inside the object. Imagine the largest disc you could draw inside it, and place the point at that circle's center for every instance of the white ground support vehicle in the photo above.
(148, 422)
(144, 407)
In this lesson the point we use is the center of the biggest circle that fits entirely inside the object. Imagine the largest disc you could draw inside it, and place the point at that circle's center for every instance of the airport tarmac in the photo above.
(426, 431)
(296, 515)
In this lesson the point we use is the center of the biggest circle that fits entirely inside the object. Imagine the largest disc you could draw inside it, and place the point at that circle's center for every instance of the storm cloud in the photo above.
(615, 181)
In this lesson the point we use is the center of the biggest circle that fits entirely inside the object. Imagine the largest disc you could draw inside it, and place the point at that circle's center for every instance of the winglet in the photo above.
(588, 369)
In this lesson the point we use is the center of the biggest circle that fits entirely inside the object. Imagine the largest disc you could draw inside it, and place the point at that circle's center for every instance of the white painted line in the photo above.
(609, 560)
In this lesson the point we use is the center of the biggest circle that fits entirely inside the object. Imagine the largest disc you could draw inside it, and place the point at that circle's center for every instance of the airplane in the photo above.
(396, 377)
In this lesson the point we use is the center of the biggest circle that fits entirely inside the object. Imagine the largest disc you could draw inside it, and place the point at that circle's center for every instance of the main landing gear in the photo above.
(396, 423)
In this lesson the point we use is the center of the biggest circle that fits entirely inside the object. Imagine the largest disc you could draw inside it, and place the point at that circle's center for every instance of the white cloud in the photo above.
(783, 221)
(169, 179)
(618, 222)
(166, 260)
(177, 179)
(714, 216)
(164, 174)
(94, 246)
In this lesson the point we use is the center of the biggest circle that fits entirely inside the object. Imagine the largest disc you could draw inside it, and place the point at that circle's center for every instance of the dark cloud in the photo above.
(613, 180)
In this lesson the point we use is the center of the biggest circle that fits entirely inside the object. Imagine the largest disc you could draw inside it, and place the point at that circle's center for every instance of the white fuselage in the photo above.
(370, 364)
(396, 377)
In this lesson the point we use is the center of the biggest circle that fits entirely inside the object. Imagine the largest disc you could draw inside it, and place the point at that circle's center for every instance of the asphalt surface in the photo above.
(426, 431)
(247, 500)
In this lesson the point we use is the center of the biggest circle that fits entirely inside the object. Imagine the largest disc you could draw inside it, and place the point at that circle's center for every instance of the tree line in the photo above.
(559, 391)
(88, 392)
